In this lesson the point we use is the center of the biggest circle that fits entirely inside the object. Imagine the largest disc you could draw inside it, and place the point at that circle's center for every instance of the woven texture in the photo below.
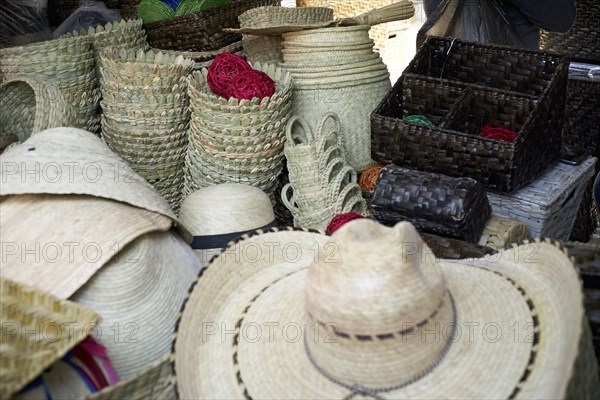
(322, 184)
(203, 59)
(129, 8)
(499, 233)
(64, 8)
(28, 106)
(548, 205)
(201, 31)
(233, 141)
(581, 127)
(38, 339)
(146, 116)
(67, 62)
(453, 207)
(520, 90)
(343, 9)
(582, 41)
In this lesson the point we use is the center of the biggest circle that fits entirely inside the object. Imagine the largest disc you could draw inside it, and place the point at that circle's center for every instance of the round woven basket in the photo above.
(28, 106)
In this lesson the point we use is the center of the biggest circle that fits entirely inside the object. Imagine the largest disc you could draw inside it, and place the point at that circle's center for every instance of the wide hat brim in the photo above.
(519, 318)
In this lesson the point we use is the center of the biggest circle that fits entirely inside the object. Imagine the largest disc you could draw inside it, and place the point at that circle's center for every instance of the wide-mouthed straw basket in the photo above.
(40, 335)
(201, 31)
(28, 106)
(520, 90)
(435, 203)
(345, 8)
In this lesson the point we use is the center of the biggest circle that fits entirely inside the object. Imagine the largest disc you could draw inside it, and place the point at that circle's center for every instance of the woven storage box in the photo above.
(352, 8)
(515, 89)
(201, 31)
(582, 41)
(548, 205)
(435, 203)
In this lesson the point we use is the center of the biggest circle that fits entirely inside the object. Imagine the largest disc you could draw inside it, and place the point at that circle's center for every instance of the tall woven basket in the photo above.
(352, 8)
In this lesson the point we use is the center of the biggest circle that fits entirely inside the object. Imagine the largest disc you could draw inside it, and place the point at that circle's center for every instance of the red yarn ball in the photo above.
(340, 220)
(250, 84)
(491, 132)
(222, 72)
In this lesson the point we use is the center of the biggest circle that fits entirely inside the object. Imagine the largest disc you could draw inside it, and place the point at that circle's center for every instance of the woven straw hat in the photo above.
(217, 214)
(138, 294)
(377, 316)
(35, 332)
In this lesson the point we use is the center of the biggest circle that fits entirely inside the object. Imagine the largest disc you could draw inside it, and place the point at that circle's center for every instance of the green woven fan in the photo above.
(154, 10)
(192, 6)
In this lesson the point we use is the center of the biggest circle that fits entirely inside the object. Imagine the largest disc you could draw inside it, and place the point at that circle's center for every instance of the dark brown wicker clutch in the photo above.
(452, 207)
(460, 86)
(201, 31)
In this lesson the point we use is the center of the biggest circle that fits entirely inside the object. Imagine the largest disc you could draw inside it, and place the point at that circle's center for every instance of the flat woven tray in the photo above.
(453, 207)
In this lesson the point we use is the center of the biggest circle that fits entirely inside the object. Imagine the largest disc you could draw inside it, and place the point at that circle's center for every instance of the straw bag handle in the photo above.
(346, 204)
(335, 185)
(394, 12)
(288, 202)
(308, 136)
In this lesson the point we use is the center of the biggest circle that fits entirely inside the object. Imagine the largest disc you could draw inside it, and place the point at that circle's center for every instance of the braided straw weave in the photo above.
(549, 204)
(435, 203)
(146, 115)
(68, 63)
(39, 339)
(335, 70)
(499, 233)
(28, 106)
(322, 184)
(204, 58)
(233, 141)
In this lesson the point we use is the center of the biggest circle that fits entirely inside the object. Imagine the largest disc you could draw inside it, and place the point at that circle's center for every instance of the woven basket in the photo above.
(582, 41)
(435, 203)
(38, 340)
(548, 205)
(129, 8)
(517, 89)
(350, 8)
(28, 106)
(499, 233)
(201, 31)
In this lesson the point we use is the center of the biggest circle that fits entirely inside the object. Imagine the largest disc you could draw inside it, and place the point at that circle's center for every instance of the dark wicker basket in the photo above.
(517, 89)
(452, 207)
(582, 41)
(582, 118)
(129, 8)
(201, 31)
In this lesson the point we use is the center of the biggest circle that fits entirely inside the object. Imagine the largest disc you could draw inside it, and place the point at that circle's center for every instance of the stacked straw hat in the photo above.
(36, 333)
(370, 313)
(122, 35)
(123, 260)
(337, 70)
(146, 115)
(268, 48)
(67, 62)
(322, 184)
(237, 141)
(217, 214)
(28, 106)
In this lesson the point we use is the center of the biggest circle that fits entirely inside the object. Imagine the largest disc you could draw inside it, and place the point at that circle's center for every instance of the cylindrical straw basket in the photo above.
(28, 106)
(351, 8)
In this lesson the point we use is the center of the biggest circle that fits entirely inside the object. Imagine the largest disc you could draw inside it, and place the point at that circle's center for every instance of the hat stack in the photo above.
(233, 141)
(122, 35)
(68, 63)
(146, 116)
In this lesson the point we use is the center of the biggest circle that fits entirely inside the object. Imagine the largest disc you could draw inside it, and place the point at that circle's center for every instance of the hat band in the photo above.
(374, 392)
(220, 241)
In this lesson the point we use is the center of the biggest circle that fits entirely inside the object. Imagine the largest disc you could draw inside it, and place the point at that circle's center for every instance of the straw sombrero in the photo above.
(217, 214)
(378, 316)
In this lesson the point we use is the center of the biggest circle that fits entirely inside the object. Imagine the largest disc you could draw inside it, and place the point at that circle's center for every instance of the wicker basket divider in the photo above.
(321, 183)
(201, 31)
(344, 8)
(582, 40)
(66, 62)
(237, 141)
(550, 204)
(28, 351)
(435, 203)
(146, 114)
(516, 89)
(28, 106)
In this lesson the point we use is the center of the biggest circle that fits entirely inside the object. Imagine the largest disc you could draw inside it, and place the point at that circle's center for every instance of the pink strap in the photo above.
(96, 350)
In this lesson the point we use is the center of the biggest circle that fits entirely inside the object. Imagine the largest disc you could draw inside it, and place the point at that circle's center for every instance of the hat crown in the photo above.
(374, 280)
